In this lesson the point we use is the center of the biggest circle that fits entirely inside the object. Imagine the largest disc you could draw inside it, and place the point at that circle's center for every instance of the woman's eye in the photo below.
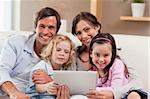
(78, 33)
(87, 29)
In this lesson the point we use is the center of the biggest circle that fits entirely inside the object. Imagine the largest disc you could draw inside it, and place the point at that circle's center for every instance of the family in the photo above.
(27, 63)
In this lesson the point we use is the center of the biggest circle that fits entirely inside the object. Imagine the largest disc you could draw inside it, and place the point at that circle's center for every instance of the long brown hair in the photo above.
(102, 38)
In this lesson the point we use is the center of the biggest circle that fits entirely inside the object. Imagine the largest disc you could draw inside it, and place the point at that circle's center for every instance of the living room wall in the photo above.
(67, 9)
(111, 12)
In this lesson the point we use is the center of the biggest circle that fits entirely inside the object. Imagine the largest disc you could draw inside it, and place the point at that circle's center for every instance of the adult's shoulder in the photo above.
(19, 39)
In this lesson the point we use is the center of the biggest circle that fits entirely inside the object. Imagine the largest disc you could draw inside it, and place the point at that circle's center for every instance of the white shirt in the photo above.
(16, 60)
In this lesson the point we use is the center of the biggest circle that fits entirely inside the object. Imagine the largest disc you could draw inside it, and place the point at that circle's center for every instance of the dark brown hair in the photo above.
(88, 17)
(46, 12)
(102, 38)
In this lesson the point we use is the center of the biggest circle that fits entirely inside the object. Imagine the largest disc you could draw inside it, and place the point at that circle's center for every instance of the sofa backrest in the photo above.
(135, 51)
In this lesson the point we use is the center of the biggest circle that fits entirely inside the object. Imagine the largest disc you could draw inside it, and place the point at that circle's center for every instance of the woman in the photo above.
(85, 26)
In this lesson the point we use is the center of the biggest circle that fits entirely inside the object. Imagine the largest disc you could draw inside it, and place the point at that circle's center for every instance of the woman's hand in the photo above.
(63, 92)
(41, 77)
(18, 95)
(104, 94)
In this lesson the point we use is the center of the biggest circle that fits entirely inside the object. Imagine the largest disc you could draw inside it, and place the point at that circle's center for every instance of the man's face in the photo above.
(45, 30)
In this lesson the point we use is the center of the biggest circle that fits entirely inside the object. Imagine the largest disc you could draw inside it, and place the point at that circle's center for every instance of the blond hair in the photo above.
(46, 53)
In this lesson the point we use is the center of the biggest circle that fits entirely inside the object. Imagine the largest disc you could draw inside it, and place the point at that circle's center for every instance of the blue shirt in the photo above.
(16, 60)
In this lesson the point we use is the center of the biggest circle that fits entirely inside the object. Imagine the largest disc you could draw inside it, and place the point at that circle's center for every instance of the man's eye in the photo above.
(42, 26)
(51, 27)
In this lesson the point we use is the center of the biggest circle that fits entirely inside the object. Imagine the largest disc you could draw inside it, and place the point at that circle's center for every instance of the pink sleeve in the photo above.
(104, 88)
(117, 74)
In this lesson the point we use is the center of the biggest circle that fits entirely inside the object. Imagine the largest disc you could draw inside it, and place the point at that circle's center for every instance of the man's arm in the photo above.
(8, 87)
(12, 91)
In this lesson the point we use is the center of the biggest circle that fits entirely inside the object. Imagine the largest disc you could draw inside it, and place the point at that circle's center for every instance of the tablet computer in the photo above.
(79, 82)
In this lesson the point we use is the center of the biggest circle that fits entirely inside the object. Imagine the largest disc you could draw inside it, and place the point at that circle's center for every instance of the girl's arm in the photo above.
(134, 81)
(116, 76)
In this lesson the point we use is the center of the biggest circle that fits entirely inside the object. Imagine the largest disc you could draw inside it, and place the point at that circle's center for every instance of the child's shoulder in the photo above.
(118, 63)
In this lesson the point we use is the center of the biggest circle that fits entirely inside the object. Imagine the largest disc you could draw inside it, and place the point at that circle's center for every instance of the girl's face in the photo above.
(61, 53)
(85, 32)
(101, 55)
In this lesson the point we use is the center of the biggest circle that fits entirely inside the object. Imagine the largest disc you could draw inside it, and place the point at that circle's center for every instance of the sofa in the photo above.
(134, 51)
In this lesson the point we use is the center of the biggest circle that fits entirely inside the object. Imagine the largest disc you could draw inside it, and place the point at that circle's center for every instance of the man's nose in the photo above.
(46, 30)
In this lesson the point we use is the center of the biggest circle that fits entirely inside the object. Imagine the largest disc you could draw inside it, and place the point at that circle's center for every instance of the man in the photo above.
(21, 53)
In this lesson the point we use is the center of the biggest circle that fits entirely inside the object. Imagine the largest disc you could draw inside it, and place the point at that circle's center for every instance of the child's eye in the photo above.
(97, 54)
(66, 51)
(58, 49)
(106, 55)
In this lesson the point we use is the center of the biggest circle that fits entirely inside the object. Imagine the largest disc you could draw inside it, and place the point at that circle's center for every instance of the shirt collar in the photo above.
(29, 44)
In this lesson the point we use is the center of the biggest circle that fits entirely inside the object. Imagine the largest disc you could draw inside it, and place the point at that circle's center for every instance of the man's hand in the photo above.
(41, 77)
(18, 95)
(10, 89)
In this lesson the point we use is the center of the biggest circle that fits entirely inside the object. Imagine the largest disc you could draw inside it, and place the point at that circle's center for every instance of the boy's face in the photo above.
(46, 30)
(61, 53)
(101, 55)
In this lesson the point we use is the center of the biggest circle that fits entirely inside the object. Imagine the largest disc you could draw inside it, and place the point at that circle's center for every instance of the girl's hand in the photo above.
(53, 89)
(63, 92)
(41, 77)
(104, 94)
(18, 95)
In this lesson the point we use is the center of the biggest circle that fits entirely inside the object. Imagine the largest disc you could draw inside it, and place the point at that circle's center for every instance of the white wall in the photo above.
(135, 52)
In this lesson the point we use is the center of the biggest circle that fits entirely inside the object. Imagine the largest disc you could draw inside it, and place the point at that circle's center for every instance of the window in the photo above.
(5, 14)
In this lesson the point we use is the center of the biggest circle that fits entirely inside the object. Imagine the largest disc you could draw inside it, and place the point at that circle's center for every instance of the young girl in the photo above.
(112, 72)
(57, 55)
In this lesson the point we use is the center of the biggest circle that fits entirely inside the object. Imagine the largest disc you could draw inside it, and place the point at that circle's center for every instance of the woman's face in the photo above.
(85, 32)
